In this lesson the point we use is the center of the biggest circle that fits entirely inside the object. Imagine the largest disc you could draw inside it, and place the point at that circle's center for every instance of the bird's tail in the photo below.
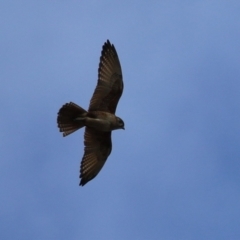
(70, 118)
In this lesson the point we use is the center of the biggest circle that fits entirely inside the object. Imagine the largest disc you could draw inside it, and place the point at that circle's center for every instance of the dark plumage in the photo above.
(100, 118)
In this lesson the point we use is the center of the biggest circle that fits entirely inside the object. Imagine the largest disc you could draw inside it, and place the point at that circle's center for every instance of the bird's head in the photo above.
(120, 123)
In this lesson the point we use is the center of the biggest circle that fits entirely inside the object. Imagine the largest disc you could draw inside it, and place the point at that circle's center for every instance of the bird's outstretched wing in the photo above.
(110, 84)
(98, 146)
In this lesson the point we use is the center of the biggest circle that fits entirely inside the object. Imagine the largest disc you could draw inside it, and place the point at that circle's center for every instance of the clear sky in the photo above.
(174, 173)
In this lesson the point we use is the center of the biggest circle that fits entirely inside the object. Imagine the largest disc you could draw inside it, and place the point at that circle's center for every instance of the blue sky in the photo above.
(174, 173)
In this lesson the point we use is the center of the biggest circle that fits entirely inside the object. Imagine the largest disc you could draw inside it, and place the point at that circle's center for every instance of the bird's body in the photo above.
(100, 119)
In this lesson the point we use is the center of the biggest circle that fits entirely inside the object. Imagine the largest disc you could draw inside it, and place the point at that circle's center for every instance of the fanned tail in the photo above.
(70, 118)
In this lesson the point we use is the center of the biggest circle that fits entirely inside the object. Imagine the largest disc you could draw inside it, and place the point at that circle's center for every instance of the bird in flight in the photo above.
(100, 119)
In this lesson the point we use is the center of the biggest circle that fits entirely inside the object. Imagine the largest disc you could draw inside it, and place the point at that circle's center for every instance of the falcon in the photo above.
(100, 119)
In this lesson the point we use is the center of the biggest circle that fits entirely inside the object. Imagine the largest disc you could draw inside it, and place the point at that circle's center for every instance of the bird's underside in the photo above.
(100, 118)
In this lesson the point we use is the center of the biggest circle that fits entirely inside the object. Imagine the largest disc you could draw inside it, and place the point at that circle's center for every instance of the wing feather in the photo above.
(110, 84)
(98, 146)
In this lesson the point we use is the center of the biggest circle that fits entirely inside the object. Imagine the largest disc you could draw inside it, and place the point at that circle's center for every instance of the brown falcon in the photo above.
(100, 118)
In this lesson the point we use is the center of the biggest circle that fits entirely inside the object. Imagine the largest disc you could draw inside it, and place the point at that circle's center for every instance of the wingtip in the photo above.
(82, 182)
(108, 44)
